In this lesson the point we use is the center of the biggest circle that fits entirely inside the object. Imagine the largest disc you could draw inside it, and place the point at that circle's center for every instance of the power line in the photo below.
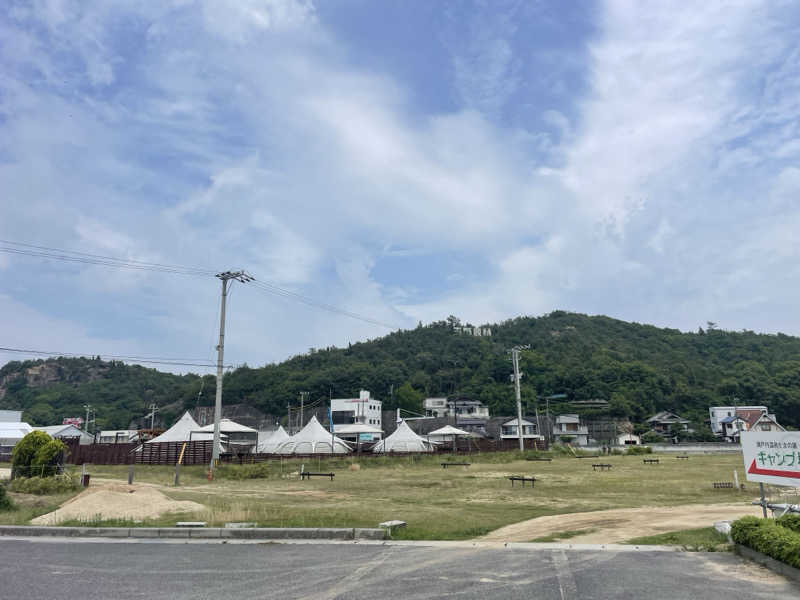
(273, 289)
(47, 252)
(33, 250)
(156, 360)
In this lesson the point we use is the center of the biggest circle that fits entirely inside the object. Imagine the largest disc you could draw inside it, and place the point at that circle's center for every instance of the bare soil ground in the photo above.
(619, 525)
(117, 501)
(5, 473)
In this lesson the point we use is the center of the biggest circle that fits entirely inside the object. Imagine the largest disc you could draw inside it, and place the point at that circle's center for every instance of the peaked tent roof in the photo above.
(449, 430)
(403, 440)
(275, 439)
(181, 431)
(312, 439)
(227, 426)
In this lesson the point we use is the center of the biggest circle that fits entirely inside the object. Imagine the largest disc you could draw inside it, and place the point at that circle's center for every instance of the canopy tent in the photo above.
(404, 440)
(184, 430)
(226, 426)
(313, 439)
(447, 433)
(271, 443)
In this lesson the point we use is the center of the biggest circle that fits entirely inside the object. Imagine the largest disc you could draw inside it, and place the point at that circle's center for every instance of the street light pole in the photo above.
(226, 276)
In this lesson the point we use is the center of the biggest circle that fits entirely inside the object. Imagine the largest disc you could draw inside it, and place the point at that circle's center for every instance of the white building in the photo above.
(717, 413)
(10, 416)
(67, 431)
(363, 410)
(118, 436)
(628, 439)
(460, 408)
(570, 426)
(508, 430)
(10, 434)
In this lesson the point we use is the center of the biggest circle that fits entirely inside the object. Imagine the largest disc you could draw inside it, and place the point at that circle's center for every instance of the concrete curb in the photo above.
(255, 533)
(767, 561)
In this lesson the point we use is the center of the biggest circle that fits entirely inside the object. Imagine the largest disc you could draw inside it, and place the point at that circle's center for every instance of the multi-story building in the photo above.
(363, 410)
(569, 426)
(718, 413)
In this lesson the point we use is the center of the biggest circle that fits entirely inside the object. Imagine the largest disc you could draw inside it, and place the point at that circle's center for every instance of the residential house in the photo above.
(508, 430)
(717, 413)
(436, 407)
(460, 408)
(569, 426)
(665, 421)
(67, 431)
(747, 418)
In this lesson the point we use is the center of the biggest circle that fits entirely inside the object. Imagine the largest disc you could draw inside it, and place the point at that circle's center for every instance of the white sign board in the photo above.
(772, 456)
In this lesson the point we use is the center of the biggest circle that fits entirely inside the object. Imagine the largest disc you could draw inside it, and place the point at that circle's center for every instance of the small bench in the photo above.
(601, 466)
(445, 465)
(682, 457)
(725, 485)
(309, 475)
(523, 480)
(650, 461)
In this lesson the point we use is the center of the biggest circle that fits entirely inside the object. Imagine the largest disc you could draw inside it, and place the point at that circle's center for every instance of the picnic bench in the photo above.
(725, 485)
(309, 475)
(522, 479)
(601, 466)
(454, 464)
(650, 461)
(682, 457)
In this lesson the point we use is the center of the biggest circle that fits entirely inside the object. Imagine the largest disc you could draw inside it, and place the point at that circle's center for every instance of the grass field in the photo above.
(453, 503)
(706, 539)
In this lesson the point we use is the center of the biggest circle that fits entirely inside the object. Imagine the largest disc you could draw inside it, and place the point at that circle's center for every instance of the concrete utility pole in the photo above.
(89, 411)
(152, 415)
(241, 277)
(517, 375)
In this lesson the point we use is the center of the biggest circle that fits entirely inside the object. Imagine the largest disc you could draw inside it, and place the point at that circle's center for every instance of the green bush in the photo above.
(651, 437)
(768, 537)
(5, 501)
(45, 461)
(639, 450)
(24, 453)
(791, 521)
(44, 486)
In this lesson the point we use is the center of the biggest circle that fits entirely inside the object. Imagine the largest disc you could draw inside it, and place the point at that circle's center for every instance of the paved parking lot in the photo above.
(101, 570)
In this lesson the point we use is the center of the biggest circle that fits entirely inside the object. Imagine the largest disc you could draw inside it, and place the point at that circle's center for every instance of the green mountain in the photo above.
(638, 369)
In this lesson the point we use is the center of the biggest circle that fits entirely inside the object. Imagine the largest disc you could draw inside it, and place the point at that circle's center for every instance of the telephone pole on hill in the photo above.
(226, 276)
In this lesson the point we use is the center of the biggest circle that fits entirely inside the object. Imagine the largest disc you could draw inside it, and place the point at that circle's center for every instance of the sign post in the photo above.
(771, 457)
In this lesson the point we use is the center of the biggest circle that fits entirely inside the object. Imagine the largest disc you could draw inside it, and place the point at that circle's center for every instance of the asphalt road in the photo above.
(45, 569)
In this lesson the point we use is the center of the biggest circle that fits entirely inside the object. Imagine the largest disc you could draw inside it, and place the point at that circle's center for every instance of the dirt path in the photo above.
(622, 524)
(5, 473)
(117, 501)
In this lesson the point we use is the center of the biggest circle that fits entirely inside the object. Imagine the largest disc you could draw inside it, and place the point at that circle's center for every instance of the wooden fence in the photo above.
(199, 453)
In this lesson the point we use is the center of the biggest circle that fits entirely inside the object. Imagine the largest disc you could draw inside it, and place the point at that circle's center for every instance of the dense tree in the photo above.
(639, 369)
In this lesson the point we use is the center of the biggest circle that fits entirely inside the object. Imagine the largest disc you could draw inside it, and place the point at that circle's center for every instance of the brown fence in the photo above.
(168, 453)
(99, 454)
(199, 453)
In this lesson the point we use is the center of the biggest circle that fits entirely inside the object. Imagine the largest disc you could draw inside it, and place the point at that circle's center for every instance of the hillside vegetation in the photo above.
(639, 369)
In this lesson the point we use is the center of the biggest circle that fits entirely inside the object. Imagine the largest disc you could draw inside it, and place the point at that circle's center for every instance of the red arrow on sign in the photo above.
(756, 471)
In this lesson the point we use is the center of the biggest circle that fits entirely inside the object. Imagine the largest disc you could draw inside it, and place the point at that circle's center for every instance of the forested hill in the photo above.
(639, 369)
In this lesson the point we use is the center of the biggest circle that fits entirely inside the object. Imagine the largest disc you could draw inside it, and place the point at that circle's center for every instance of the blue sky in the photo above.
(402, 160)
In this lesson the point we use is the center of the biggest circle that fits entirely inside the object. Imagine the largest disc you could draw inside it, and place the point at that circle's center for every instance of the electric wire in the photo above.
(156, 360)
(47, 252)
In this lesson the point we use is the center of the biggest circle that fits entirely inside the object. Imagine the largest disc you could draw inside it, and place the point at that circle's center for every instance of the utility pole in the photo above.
(517, 375)
(226, 276)
(152, 415)
(302, 401)
(89, 411)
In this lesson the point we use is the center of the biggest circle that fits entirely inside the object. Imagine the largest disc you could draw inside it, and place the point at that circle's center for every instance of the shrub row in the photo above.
(768, 537)
(42, 486)
(5, 501)
(791, 521)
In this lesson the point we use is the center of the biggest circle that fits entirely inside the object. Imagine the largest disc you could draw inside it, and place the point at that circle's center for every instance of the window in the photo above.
(766, 427)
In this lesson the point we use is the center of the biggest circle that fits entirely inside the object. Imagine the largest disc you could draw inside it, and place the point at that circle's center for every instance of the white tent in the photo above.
(184, 430)
(312, 439)
(403, 440)
(447, 433)
(275, 439)
(226, 426)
